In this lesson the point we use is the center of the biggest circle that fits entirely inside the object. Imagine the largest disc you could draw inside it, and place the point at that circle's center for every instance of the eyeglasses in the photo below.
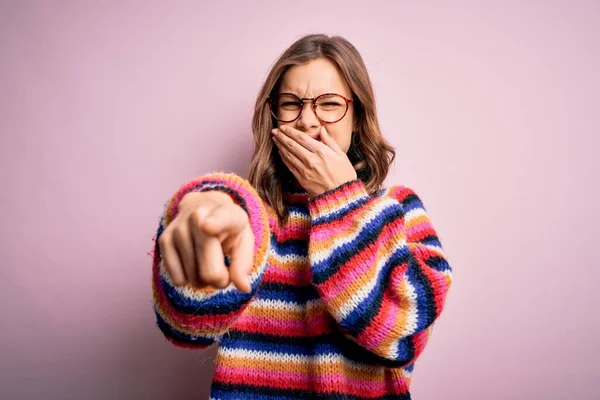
(328, 107)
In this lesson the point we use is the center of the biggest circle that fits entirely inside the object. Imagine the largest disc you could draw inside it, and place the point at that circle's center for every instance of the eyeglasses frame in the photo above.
(313, 107)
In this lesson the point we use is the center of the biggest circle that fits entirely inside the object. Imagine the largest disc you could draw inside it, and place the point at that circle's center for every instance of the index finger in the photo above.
(242, 261)
(304, 139)
(329, 141)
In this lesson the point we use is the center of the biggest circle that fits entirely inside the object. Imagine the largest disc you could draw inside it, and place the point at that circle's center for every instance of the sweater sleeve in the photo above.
(197, 318)
(378, 266)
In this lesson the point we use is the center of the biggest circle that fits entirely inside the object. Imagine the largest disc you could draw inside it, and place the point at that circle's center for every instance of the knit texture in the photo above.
(344, 296)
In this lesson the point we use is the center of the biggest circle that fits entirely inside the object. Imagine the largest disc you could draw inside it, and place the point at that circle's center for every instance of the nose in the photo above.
(308, 121)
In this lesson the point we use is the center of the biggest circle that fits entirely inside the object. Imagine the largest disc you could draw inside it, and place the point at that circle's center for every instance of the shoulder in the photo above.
(399, 192)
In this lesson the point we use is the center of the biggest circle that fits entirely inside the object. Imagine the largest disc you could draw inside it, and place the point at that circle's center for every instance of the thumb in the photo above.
(328, 140)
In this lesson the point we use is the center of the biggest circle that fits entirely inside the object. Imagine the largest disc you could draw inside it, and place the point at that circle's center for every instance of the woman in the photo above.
(316, 281)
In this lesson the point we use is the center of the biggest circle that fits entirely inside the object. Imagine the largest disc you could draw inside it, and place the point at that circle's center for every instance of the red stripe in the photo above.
(282, 380)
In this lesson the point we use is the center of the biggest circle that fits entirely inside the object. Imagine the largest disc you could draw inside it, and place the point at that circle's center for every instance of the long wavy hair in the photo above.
(370, 154)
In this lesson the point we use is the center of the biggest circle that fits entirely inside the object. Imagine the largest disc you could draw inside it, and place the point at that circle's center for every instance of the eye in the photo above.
(331, 102)
(290, 105)
(329, 105)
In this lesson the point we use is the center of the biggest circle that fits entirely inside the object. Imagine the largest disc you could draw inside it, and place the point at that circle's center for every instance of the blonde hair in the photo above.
(370, 154)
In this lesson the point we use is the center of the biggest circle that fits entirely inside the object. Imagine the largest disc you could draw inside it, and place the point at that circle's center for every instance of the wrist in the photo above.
(331, 187)
(340, 183)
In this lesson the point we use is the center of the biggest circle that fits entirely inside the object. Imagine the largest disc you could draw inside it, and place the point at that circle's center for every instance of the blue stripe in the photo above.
(360, 317)
(247, 393)
(431, 241)
(439, 264)
(298, 208)
(424, 295)
(257, 391)
(159, 232)
(406, 350)
(296, 247)
(221, 303)
(342, 211)
(413, 202)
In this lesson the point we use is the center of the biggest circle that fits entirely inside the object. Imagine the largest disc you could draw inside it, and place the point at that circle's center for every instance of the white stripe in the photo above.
(414, 213)
(267, 304)
(412, 315)
(411, 318)
(289, 258)
(303, 216)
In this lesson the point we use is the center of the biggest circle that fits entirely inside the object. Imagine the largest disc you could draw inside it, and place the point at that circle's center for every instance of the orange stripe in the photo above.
(292, 265)
(279, 314)
(307, 368)
(369, 274)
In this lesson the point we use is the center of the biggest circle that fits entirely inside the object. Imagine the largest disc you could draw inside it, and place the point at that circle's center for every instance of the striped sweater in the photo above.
(343, 300)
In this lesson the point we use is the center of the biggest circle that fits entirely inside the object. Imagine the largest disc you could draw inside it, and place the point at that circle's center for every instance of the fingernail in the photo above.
(283, 128)
(274, 131)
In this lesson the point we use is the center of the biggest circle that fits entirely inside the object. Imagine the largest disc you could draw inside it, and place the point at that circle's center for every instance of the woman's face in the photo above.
(310, 80)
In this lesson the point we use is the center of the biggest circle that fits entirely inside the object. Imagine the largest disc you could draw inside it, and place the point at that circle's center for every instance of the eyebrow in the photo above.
(324, 92)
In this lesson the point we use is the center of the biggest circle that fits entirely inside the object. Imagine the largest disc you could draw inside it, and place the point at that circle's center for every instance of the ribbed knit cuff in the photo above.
(243, 194)
(236, 187)
(335, 200)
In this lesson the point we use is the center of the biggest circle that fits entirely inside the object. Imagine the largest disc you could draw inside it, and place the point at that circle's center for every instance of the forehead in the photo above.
(314, 78)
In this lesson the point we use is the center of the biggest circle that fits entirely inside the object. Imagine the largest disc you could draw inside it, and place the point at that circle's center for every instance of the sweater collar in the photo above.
(294, 193)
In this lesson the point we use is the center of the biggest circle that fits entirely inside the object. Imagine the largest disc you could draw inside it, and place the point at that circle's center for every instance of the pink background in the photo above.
(106, 108)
